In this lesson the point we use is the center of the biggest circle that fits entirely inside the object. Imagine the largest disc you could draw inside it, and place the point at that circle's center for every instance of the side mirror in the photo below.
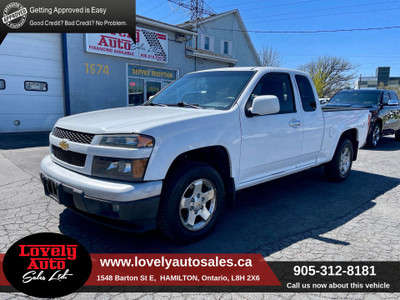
(393, 103)
(151, 97)
(265, 105)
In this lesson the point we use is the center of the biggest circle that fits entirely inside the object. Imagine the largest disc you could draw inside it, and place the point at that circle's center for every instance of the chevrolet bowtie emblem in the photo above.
(63, 145)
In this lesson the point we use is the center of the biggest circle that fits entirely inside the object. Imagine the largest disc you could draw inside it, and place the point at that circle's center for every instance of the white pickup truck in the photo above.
(173, 162)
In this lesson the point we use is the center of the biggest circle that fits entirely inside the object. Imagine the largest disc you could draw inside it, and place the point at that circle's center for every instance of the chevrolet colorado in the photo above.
(173, 162)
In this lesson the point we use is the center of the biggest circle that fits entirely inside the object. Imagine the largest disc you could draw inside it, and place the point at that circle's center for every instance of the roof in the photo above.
(365, 90)
(269, 69)
(368, 78)
(235, 12)
(210, 55)
(155, 23)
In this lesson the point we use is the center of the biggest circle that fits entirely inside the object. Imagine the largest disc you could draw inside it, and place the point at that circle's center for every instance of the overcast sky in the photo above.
(368, 49)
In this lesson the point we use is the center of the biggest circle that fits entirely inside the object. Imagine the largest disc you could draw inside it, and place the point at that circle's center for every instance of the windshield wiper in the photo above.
(180, 104)
(184, 104)
(154, 104)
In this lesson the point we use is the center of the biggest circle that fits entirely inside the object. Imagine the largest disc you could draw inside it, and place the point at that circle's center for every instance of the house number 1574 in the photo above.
(96, 69)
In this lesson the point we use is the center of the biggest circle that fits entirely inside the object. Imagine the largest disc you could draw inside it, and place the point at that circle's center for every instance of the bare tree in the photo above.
(269, 57)
(330, 74)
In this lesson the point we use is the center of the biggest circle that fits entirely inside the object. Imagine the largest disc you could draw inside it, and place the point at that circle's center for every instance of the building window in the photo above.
(136, 91)
(2, 84)
(226, 47)
(206, 43)
(37, 86)
(144, 82)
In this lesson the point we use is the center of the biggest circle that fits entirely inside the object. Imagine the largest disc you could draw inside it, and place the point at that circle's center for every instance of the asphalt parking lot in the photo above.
(301, 217)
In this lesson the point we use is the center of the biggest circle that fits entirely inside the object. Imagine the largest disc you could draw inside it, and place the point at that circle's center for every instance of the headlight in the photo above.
(134, 141)
(118, 168)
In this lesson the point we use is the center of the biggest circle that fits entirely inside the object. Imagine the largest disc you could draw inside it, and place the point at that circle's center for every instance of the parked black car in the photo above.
(384, 108)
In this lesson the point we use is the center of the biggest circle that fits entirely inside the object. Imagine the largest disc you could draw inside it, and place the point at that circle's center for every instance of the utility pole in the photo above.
(198, 8)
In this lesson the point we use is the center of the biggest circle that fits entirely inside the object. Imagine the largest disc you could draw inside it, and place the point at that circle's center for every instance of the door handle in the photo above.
(294, 123)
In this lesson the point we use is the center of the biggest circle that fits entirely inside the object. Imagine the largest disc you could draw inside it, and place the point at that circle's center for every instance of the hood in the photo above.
(136, 119)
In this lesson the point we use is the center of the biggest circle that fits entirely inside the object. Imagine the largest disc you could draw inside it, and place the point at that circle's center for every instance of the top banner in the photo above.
(79, 16)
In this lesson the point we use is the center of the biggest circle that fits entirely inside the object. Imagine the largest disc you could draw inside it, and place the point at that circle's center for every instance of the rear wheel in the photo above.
(374, 136)
(338, 169)
(191, 202)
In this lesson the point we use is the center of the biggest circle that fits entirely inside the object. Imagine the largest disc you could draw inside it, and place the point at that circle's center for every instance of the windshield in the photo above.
(213, 90)
(362, 98)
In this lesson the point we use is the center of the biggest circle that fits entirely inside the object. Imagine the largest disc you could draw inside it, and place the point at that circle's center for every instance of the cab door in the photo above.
(313, 122)
(395, 112)
(271, 144)
(389, 113)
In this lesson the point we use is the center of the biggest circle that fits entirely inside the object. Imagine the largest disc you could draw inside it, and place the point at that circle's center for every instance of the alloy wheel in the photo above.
(198, 204)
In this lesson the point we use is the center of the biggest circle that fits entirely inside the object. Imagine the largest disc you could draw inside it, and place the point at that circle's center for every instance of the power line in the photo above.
(309, 31)
(325, 15)
(144, 9)
(271, 6)
(349, 55)
(151, 9)
(326, 9)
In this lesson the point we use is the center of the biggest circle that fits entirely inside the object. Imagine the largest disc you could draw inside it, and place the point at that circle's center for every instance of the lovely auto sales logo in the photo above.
(47, 265)
(47, 257)
(14, 15)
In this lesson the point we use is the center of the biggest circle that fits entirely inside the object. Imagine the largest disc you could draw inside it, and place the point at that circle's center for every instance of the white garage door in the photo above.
(31, 82)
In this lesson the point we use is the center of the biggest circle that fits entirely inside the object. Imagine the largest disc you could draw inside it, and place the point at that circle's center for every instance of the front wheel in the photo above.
(374, 136)
(191, 202)
(339, 167)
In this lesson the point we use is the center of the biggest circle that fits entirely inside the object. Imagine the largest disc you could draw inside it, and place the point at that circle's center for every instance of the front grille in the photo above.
(70, 157)
(73, 136)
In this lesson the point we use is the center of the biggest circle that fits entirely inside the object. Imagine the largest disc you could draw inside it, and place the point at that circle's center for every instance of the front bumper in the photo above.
(127, 206)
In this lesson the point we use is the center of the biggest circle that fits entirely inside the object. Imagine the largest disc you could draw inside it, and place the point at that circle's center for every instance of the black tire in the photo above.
(374, 136)
(338, 169)
(397, 135)
(182, 205)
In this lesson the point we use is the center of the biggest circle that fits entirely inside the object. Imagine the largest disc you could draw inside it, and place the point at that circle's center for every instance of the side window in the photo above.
(393, 96)
(306, 93)
(385, 99)
(279, 85)
(2, 84)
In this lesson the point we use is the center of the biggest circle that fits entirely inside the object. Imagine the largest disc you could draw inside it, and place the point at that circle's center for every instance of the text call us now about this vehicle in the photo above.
(173, 162)
(383, 106)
